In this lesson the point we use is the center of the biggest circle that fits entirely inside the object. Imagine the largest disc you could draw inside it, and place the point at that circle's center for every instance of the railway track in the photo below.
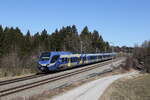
(20, 79)
(45, 81)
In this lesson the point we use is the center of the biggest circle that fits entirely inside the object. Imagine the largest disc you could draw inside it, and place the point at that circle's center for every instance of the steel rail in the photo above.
(20, 79)
(45, 81)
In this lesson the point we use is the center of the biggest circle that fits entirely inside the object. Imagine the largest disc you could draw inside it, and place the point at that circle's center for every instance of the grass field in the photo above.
(136, 88)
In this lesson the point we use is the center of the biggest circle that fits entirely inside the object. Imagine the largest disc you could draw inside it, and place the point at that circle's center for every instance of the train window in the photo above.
(106, 56)
(64, 60)
(89, 57)
(54, 58)
(45, 56)
(99, 57)
(84, 58)
(92, 57)
(74, 59)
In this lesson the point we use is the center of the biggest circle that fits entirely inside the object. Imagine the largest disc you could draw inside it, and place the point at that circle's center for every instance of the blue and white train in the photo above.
(55, 61)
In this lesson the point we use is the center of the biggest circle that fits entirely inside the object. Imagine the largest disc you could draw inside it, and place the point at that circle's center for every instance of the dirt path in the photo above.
(92, 90)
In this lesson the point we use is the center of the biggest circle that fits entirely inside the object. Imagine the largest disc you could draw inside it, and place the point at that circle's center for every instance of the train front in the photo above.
(44, 61)
(48, 61)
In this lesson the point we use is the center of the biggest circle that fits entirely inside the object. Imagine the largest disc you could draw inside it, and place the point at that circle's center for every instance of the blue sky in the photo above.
(123, 22)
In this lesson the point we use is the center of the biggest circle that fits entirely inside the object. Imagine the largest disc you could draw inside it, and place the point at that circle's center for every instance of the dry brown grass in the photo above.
(135, 88)
(11, 65)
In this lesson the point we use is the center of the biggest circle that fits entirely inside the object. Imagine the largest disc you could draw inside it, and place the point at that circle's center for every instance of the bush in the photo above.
(142, 55)
(13, 65)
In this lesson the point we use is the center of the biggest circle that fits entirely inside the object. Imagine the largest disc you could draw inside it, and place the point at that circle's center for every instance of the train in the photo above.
(57, 61)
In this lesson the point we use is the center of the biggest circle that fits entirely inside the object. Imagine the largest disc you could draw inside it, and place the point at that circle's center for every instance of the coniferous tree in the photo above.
(1, 40)
(56, 41)
(26, 47)
(27, 42)
(71, 39)
(96, 41)
(44, 40)
(86, 39)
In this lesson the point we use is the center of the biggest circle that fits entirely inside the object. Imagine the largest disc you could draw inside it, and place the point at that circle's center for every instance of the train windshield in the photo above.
(45, 56)
(55, 58)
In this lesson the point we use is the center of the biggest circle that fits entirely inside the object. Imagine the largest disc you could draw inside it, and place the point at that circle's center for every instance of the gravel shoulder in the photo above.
(92, 90)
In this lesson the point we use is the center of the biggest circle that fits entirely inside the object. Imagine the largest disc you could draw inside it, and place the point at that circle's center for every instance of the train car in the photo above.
(50, 61)
(55, 61)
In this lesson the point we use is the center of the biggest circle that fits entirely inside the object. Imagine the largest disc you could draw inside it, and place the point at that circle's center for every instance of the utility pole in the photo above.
(105, 49)
(81, 46)
(96, 50)
(64, 47)
(112, 50)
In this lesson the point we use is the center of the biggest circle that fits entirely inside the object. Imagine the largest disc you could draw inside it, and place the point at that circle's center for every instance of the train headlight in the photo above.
(42, 68)
(43, 64)
(39, 65)
(49, 65)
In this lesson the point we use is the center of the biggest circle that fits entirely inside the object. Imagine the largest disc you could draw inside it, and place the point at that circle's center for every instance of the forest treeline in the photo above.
(19, 51)
(65, 39)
